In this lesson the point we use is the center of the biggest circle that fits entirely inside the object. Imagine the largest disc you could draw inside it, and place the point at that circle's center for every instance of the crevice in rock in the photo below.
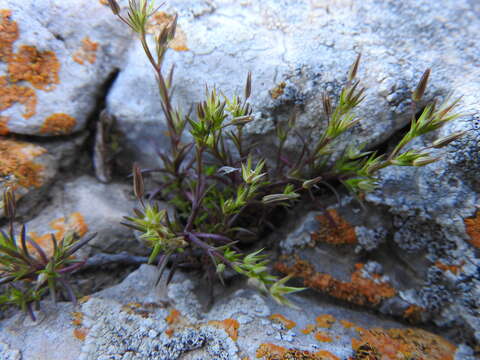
(94, 117)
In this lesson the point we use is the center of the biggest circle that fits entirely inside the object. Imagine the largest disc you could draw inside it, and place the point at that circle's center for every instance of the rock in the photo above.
(30, 167)
(290, 50)
(85, 205)
(422, 270)
(134, 320)
(55, 56)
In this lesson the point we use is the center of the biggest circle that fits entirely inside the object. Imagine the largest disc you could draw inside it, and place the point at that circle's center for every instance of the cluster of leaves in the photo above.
(223, 193)
(27, 272)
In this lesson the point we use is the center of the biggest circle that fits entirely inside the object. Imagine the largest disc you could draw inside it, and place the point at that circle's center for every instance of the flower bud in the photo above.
(352, 73)
(327, 104)
(138, 187)
(307, 184)
(422, 85)
(424, 161)
(114, 6)
(248, 85)
(439, 143)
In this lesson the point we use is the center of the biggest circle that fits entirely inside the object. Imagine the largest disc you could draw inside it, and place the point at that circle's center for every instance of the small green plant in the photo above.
(222, 192)
(27, 274)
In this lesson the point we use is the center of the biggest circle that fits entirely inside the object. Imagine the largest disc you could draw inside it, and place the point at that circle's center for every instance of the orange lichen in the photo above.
(77, 318)
(360, 290)
(334, 229)
(136, 308)
(454, 269)
(4, 125)
(75, 223)
(289, 324)
(270, 351)
(17, 161)
(326, 355)
(39, 68)
(8, 34)
(325, 321)
(87, 52)
(414, 313)
(309, 329)
(58, 124)
(169, 332)
(278, 90)
(173, 316)
(322, 337)
(84, 299)
(347, 324)
(404, 344)
(230, 326)
(473, 230)
(104, 2)
(159, 21)
(80, 333)
(11, 94)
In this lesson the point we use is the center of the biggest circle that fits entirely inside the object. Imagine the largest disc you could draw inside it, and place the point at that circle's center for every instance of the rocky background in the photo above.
(78, 103)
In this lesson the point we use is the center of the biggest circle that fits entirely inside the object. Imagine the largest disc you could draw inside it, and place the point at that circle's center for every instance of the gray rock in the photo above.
(130, 321)
(88, 206)
(63, 55)
(293, 43)
(30, 167)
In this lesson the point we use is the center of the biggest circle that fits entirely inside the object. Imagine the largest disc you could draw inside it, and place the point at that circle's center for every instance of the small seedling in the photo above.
(27, 272)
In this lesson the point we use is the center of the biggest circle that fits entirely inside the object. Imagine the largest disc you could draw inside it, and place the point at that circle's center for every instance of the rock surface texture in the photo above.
(407, 257)
(135, 321)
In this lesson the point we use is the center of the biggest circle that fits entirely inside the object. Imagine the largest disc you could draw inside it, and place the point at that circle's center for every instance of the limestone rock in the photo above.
(136, 321)
(30, 167)
(54, 58)
(296, 51)
(87, 206)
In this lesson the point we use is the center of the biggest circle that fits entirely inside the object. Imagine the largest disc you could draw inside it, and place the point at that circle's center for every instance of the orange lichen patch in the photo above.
(326, 355)
(39, 68)
(80, 334)
(278, 90)
(334, 229)
(270, 351)
(104, 2)
(17, 161)
(58, 124)
(159, 21)
(135, 308)
(347, 324)
(8, 34)
(173, 316)
(360, 290)
(11, 94)
(84, 299)
(4, 125)
(454, 269)
(87, 52)
(309, 329)
(325, 321)
(473, 230)
(289, 324)
(414, 313)
(75, 223)
(77, 318)
(230, 326)
(322, 336)
(404, 344)
(169, 332)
